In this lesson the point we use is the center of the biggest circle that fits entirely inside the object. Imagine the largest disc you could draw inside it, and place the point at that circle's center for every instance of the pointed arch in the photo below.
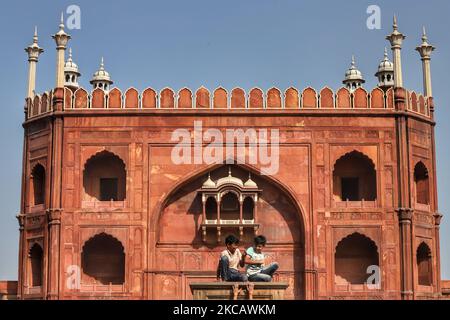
(309, 98)
(413, 102)
(238, 100)
(353, 256)
(131, 99)
(115, 99)
(38, 185)
(289, 192)
(185, 99)
(81, 99)
(326, 98)
(354, 178)
(98, 99)
(149, 98)
(44, 103)
(274, 99)
(422, 183)
(103, 259)
(256, 99)
(36, 105)
(104, 177)
(377, 99)
(167, 99)
(68, 99)
(343, 99)
(424, 265)
(36, 265)
(360, 99)
(390, 98)
(202, 99)
(220, 98)
(291, 99)
(421, 102)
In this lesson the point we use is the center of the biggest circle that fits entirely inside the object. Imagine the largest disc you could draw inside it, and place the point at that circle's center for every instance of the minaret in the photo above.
(33, 51)
(425, 50)
(71, 73)
(353, 77)
(61, 39)
(396, 39)
(101, 78)
(385, 73)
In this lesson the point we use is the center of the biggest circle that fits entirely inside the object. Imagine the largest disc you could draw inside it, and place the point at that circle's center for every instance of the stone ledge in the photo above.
(239, 290)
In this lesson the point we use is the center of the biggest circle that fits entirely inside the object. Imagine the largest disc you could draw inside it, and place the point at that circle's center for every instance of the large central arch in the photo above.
(175, 237)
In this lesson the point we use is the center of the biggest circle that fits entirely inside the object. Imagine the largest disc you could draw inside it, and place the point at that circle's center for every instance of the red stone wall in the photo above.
(158, 222)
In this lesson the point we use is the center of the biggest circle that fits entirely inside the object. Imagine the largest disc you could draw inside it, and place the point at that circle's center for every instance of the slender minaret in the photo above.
(425, 50)
(396, 39)
(33, 51)
(61, 39)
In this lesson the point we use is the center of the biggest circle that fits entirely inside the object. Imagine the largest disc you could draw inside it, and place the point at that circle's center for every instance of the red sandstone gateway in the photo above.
(351, 213)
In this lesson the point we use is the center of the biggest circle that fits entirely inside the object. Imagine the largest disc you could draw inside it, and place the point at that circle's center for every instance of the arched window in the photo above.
(354, 178)
(38, 185)
(211, 209)
(67, 78)
(104, 177)
(36, 265)
(229, 207)
(354, 255)
(422, 184)
(424, 265)
(103, 259)
(248, 209)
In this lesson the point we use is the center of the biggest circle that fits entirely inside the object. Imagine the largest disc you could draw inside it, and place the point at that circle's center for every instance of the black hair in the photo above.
(231, 239)
(260, 240)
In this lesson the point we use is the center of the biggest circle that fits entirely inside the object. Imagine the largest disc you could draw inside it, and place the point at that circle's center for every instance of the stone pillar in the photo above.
(437, 262)
(22, 249)
(241, 209)
(55, 204)
(405, 216)
(54, 247)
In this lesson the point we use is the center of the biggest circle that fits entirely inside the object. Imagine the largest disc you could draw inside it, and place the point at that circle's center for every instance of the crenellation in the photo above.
(272, 101)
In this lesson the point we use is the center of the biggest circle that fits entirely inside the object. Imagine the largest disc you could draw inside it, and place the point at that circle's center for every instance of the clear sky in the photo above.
(231, 43)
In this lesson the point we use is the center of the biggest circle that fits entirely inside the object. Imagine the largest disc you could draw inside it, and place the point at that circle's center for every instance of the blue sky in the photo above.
(231, 43)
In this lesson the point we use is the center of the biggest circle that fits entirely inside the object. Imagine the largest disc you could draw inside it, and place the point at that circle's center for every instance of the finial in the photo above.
(385, 53)
(424, 35)
(35, 37)
(229, 171)
(102, 64)
(353, 62)
(61, 25)
(395, 22)
(70, 55)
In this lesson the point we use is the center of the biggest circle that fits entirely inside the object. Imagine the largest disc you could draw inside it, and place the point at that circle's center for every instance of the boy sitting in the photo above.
(257, 271)
(230, 260)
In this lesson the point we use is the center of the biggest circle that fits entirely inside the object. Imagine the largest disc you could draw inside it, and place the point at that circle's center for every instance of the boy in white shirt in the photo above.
(230, 261)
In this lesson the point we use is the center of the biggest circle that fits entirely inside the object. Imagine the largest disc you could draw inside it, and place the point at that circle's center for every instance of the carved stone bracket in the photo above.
(437, 219)
(54, 216)
(405, 215)
(21, 219)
